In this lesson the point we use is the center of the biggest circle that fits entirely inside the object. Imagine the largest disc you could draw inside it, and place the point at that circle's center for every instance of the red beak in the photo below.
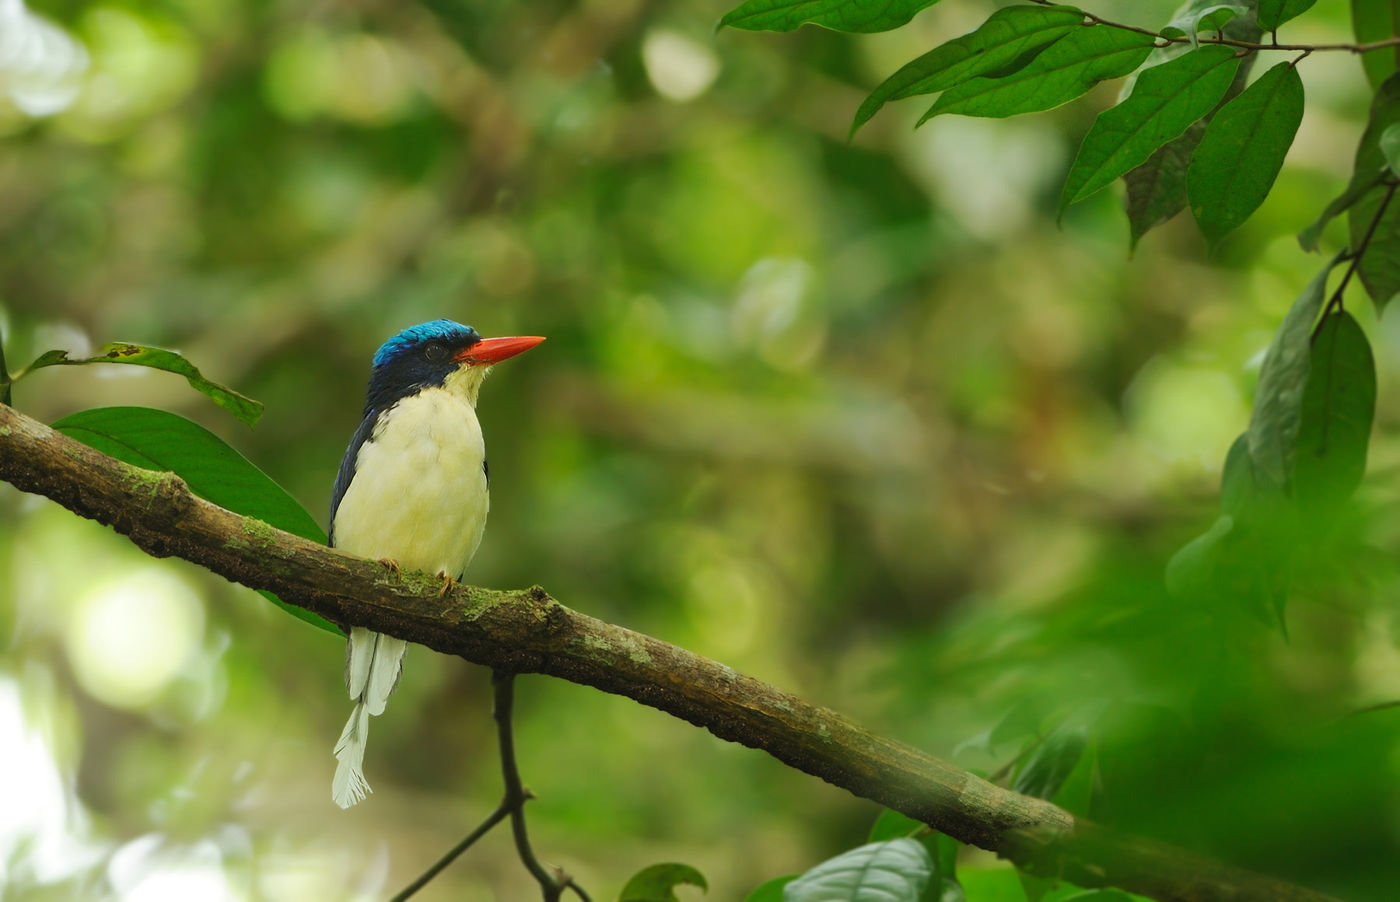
(494, 350)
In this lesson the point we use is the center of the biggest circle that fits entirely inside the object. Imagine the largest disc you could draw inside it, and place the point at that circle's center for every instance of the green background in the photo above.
(853, 417)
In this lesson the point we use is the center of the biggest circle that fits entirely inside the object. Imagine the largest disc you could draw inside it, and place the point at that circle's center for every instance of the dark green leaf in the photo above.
(1007, 37)
(892, 824)
(1273, 422)
(1310, 236)
(159, 440)
(658, 882)
(1203, 18)
(861, 16)
(1062, 72)
(1377, 20)
(1273, 13)
(1237, 477)
(951, 890)
(1100, 895)
(1047, 768)
(771, 890)
(245, 408)
(1166, 100)
(1242, 152)
(1379, 268)
(1339, 402)
(892, 871)
(1156, 190)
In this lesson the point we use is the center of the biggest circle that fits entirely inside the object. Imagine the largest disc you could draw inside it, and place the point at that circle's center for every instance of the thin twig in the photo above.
(1335, 302)
(551, 885)
(5, 379)
(1232, 42)
(500, 814)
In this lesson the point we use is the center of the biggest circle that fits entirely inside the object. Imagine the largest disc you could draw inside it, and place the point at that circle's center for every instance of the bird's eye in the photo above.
(435, 351)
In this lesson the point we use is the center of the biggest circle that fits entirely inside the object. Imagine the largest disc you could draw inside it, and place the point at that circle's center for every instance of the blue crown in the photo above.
(444, 330)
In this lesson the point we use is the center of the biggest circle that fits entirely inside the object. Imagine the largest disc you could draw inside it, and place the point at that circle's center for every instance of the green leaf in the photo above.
(1062, 72)
(1047, 768)
(1237, 477)
(1156, 190)
(1007, 37)
(1339, 403)
(1205, 18)
(894, 871)
(770, 890)
(1242, 152)
(1390, 148)
(160, 440)
(1191, 572)
(1167, 99)
(1377, 20)
(658, 882)
(862, 16)
(1273, 13)
(892, 824)
(241, 406)
(1309, 237)
(1273, 422)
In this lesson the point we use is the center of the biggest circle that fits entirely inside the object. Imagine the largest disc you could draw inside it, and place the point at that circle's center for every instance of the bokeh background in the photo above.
(855, 417)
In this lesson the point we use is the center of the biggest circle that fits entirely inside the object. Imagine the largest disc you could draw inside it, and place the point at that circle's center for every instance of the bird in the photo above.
(412, 493)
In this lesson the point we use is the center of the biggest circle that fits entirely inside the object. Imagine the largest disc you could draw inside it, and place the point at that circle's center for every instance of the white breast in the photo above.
(419, 494)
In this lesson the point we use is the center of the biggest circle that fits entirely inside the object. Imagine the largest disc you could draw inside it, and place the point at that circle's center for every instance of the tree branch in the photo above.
(529, 632)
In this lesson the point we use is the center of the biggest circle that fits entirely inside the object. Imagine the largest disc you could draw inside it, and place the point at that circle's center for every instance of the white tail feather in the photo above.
(359, 652)
(349, 785)
(384, 672)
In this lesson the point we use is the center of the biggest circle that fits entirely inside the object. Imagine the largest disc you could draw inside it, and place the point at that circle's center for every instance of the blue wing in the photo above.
(347, 465)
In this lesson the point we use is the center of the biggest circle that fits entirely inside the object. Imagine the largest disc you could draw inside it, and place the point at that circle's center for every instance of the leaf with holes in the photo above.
(160, 440)
(241, 406)
(1062, 72)
(1009, 37)
(1242, 152)
(862, 16)
(1166, 100)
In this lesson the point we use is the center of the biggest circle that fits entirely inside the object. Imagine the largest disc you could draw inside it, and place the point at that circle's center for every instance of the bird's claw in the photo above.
(391, 565)
(449, 582)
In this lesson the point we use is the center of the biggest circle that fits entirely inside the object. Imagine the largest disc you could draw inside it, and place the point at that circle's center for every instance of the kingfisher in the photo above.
(411, 493)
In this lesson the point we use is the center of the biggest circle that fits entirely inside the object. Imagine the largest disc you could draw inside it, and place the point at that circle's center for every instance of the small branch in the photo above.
(5, 379)
(1231, 42)
(482, 829)
(551, 885)
(512, 806)
(529, 632)
(1334, 303)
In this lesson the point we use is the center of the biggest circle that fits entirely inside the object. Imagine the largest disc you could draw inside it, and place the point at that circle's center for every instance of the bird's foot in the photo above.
(391, 565)
(449, 582)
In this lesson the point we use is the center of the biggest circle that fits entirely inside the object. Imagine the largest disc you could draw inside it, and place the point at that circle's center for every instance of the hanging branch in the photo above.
(512, 806)
(529, 632)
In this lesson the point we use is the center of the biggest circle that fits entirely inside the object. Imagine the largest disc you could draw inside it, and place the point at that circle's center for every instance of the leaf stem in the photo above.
(1094, 19)
(1335, 302)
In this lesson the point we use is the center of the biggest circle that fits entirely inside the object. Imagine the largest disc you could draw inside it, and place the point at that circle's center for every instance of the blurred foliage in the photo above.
(855, 418)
